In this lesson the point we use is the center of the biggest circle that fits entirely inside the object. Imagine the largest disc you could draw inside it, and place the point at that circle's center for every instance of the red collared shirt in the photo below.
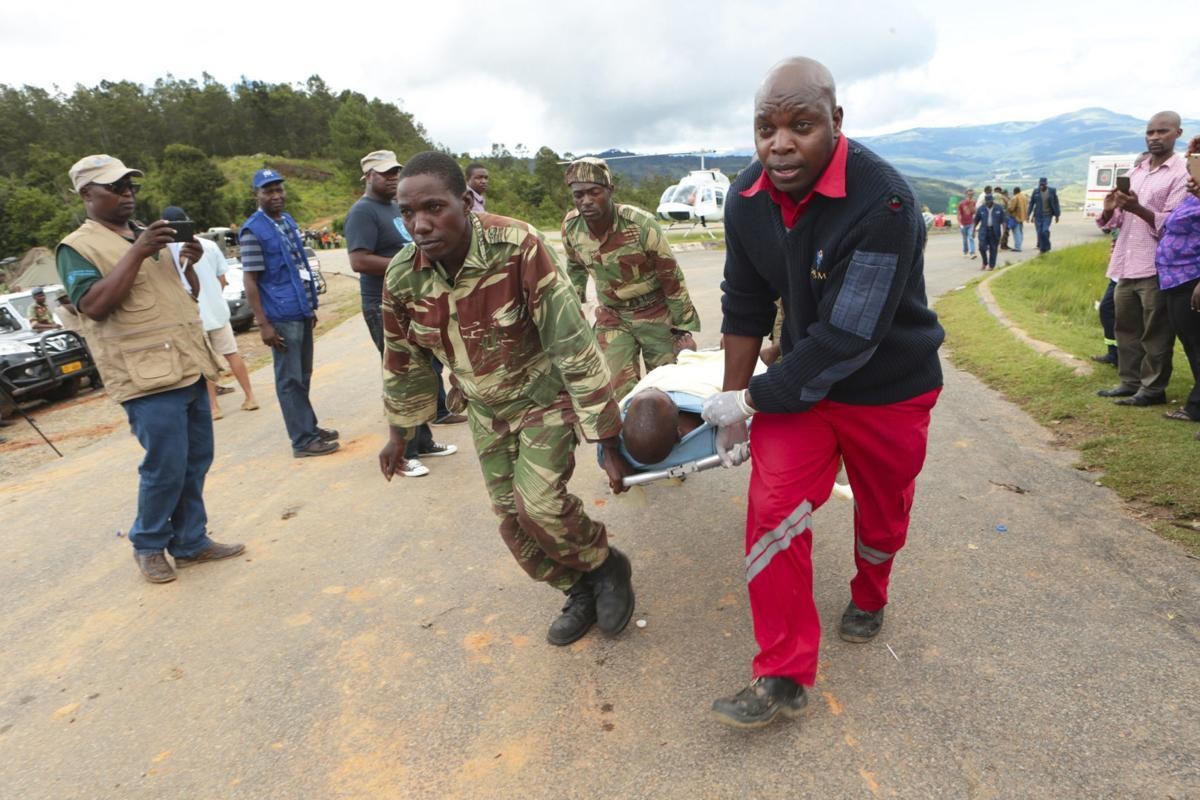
(832, 183)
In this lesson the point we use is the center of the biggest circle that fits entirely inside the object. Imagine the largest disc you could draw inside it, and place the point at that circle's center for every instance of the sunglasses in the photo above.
(122, 186)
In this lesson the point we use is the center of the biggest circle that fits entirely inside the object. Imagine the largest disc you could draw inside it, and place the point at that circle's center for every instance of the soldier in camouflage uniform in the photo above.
(41, 318)
(487, 296)
(644, 305)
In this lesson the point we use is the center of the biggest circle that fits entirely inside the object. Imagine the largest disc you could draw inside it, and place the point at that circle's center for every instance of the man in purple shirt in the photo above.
(1145, 341)
(1178, 263)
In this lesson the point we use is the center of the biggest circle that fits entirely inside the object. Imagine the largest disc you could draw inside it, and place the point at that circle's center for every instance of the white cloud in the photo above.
(639, 75)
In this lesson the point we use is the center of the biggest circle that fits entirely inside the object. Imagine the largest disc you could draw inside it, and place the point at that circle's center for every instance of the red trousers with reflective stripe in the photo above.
(794, 460)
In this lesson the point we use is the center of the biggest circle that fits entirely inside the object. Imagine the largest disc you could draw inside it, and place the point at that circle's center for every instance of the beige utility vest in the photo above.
(153, 341)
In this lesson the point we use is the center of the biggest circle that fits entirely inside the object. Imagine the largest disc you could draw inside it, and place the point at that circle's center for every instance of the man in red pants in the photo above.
(836, 233)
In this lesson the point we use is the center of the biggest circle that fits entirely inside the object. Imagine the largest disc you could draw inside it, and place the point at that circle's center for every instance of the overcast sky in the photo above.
(646, 76)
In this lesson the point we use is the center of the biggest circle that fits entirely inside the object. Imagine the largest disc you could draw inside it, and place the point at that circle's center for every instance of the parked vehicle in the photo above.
(314, 263)
(226, 239)
(241, 316)
(36, 365)
(1102, 175)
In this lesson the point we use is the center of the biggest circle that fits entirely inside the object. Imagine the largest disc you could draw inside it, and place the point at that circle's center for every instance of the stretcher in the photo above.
(695, 452)
(741, 453)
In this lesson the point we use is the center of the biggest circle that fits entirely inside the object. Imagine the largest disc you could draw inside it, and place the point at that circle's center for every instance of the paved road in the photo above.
(378, 641)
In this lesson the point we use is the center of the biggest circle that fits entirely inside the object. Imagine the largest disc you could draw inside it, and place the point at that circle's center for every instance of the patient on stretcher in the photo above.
(661, 426)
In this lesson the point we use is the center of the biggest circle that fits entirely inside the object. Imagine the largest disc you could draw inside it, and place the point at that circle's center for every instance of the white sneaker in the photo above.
(413, 469)
(436, 450)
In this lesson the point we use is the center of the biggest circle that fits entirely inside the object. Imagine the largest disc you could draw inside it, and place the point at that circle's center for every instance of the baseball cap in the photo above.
(380, 161)
(38, 290)
(174, 214)
(589, 170)
(99, 169)
(265, 176)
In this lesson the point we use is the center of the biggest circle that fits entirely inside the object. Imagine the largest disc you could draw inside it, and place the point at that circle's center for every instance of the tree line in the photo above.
(171, 130)
(181, 132)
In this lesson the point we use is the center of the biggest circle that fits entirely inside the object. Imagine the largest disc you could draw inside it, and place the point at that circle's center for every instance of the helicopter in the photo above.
(698, 198)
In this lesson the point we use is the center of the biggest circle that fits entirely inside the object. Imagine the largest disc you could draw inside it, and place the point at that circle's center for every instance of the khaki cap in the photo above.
(99, 169)
(380, 161)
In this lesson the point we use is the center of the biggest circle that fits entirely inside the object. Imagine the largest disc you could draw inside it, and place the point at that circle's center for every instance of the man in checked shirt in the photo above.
(1145, 341)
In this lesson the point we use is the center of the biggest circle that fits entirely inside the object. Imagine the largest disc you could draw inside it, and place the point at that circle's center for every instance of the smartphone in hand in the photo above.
(185, 231)
(1123, 184)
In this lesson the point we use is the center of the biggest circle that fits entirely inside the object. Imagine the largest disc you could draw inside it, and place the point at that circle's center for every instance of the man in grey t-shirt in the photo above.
(374, 233)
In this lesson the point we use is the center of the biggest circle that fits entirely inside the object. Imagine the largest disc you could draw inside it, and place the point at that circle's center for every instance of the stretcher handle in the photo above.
(699, 465)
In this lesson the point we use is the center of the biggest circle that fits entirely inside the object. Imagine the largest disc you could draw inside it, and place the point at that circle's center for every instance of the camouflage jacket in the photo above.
(510, 328)
(633, 266)
(42, 315)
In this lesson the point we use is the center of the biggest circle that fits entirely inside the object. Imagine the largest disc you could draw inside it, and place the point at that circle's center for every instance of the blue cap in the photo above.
(174, 214)
(265, 176)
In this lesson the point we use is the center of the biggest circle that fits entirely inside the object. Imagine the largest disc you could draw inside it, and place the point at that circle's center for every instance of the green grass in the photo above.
(317, 191)
(1147, 460)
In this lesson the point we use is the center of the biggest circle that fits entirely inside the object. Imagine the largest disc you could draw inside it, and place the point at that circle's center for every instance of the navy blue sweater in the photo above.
(857, 326)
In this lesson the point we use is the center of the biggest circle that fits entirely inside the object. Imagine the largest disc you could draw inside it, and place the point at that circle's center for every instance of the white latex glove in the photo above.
(733, 445)
(726, 408)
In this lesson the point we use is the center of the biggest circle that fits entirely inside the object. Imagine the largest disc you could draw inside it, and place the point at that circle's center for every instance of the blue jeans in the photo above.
(1018, 234)
(968, 238)
(293, 376)
(1043, 233)
(175, 429)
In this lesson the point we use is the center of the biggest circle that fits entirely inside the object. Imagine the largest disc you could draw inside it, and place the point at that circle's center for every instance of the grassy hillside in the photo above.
(318, 192)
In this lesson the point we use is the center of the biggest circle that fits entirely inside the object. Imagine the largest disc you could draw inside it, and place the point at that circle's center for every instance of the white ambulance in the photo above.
(1102, 175)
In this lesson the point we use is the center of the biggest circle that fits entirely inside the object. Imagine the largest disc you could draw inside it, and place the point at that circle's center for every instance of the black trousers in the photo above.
(1186, 324)
(1108, 316)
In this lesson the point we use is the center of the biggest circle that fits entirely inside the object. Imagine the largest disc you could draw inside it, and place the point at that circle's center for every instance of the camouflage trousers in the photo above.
(544, 525)
(626, 335)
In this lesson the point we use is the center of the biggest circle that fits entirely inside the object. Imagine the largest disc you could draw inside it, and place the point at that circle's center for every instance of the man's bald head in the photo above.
(651, 426)
(1171, 118)
(1161, 132)
(797, 77)
(797, 123)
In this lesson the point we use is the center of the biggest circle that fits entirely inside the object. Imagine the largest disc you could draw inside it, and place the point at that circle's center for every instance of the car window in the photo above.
(8, 323)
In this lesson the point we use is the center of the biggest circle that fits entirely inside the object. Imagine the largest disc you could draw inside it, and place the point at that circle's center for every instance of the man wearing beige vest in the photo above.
(145, 332)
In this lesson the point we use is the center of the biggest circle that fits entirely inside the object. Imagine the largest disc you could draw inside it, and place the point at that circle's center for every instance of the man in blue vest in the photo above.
(283, 296)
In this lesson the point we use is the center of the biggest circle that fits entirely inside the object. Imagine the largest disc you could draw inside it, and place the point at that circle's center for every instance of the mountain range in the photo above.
(1057, 147)
(1011, 152)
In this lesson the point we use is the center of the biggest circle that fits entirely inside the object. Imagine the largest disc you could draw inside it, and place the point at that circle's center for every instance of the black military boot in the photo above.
(577, 616)
(760, 702)
(612, 584)
(858, 625)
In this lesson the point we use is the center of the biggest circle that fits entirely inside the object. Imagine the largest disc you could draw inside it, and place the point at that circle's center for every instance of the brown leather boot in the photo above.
(154, 567)
(214, 552)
